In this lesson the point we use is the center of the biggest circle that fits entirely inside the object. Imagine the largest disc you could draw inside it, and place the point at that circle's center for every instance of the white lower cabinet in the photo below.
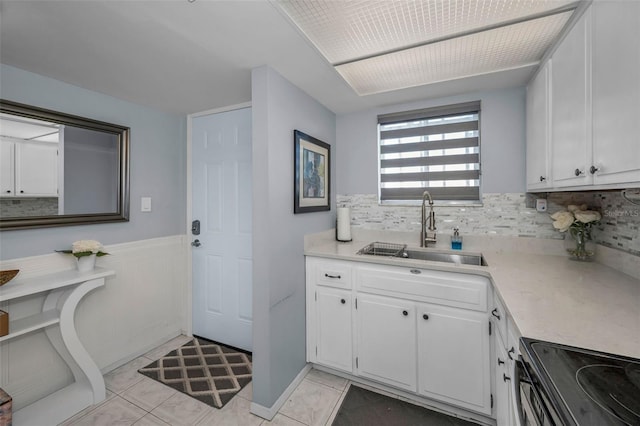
(503, 386)
(422, 331)
(334, 339)
(387, 340)
(506, 338)
(453, 356)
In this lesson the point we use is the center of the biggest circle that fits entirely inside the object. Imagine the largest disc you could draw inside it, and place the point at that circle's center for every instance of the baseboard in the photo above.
(269, 413)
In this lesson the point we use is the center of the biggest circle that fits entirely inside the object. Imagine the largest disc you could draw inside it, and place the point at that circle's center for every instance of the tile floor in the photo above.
(133, 399)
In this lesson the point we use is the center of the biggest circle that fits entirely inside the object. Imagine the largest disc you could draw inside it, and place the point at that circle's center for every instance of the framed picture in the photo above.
(311, 181)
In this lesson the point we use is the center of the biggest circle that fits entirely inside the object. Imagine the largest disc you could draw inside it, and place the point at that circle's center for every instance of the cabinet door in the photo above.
(571, 108)
(616, 91)
(538, 176)
(503, 385)
(333, 328)
(387, 340)
(36, 169)
(6, 169)
(453, 356)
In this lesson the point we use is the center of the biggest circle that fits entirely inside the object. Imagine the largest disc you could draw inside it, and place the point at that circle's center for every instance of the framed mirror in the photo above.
(58, 169)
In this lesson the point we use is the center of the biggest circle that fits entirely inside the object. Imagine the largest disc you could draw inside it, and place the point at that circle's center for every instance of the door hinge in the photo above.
(356, 362)
(489, 327)
(316, 296)
(491, 400)
(356, 305)
(316, 351)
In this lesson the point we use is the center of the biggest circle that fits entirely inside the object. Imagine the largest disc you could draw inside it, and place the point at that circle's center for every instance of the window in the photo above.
(435, 150)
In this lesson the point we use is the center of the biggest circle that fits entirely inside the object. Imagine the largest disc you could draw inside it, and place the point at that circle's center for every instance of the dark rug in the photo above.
(362, 407)
(207, 371)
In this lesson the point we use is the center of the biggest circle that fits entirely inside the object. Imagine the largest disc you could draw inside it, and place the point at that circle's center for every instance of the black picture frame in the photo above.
(312, 174)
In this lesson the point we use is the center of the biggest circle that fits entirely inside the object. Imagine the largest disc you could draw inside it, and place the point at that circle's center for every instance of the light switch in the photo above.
(145, 204)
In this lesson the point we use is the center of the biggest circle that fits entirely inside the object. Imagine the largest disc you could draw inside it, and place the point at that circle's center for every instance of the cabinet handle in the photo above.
(343, 301)
(542, 178)
(505, 377)
(511, 351)
(332, 276)
(593, 170)
(500, 362)
(425, 316)
(405, 313)
(578, 172)
(8, 191)
(495, 313)
(21, 191)
(415, 271)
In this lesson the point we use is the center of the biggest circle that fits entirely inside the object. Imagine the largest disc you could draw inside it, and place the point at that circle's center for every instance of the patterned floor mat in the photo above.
(205, 370)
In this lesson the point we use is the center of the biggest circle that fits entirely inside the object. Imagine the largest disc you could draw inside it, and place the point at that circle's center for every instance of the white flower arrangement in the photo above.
(575, 217)
(85, 248)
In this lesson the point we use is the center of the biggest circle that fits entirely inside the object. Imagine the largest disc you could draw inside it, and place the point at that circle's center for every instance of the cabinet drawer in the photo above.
(333, 274)
(445, 288)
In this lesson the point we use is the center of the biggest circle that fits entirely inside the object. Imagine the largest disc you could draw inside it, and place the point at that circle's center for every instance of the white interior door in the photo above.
(221, 201)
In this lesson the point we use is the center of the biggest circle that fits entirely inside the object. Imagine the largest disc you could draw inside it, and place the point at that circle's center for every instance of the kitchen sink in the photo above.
(459, 259)
(401, 251)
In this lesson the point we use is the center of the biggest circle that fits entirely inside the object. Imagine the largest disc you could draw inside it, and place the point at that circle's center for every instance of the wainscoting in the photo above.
(142, 306)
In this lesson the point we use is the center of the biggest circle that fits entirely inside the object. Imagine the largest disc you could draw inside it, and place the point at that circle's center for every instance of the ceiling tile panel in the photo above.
(499, 49)
(347, 30)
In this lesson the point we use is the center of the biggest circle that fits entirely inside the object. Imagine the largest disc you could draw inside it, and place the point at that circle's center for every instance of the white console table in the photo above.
(64, 290)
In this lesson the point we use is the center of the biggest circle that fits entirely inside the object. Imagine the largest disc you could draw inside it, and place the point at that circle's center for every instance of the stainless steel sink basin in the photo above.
(401, 251)
(458, 259)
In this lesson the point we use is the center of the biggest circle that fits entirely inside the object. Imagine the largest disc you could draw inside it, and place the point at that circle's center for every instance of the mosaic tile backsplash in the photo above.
(28, 207)
(505, 214)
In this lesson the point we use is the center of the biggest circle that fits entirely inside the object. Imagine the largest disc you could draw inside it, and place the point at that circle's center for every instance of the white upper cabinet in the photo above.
(538, 167)
(571, 107)
(29, 169)
(7, 176)
(593, 94)
(616, 92)
(36, 169)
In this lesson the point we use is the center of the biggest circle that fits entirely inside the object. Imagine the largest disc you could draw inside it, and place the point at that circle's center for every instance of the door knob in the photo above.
(578, 172)
(593, 170)
(542, 178)
(196, 243)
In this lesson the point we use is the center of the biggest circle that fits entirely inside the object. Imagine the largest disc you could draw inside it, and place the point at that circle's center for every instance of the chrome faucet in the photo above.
(427, 235)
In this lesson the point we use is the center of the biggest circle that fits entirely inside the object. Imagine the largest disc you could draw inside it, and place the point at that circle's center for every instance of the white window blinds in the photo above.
(435, 150)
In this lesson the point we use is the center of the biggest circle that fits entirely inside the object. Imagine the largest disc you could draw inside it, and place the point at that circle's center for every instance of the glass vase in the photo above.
(581, 250)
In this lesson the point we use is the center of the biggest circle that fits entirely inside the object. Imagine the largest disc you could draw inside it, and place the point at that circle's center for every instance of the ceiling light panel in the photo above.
(348, 30)
(499, 49)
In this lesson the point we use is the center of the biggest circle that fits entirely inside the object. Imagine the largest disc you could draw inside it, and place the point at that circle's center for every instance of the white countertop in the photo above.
(550, 297)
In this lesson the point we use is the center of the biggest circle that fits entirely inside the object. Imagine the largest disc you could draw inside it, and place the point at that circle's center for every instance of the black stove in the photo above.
(565, 385)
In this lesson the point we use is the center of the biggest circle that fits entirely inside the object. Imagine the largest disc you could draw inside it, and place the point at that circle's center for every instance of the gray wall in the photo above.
(502, 142)
(90, 184)
(278, 249)
(158, 164)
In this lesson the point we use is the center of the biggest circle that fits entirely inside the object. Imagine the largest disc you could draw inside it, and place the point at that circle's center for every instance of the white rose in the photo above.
(86, 245)
(562, 220)
(587, 216)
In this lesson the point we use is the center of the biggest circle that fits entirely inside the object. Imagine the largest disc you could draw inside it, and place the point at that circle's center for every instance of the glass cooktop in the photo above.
(593, 387)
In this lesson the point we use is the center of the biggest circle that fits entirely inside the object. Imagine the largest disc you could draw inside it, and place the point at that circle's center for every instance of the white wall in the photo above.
(278, 234)
(139, 308)
(158, 164)
(502, 142)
